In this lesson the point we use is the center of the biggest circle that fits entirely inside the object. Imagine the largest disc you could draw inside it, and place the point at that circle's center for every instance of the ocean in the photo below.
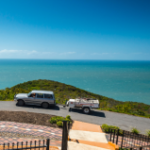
(121, 80)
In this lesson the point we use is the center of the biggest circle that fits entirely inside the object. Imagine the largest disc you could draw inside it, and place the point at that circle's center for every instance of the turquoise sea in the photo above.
(121, 80)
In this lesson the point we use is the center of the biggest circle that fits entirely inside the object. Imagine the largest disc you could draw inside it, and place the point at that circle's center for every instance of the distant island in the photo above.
(64, 92)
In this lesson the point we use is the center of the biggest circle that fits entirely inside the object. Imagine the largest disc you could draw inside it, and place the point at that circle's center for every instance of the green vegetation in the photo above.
(64, 92)
(107, 128)
(59, 120)
(148, 133)
(135, 131)
(59, 123)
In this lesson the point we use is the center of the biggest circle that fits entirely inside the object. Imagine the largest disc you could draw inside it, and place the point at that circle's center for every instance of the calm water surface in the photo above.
(121, 80)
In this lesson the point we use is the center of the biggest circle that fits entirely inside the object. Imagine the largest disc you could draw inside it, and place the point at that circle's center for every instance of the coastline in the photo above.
(64, 92)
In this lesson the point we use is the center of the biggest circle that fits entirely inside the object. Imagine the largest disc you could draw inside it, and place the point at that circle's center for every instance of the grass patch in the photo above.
(107, 128)
(148, 133)
(135, 131)
(58, 120)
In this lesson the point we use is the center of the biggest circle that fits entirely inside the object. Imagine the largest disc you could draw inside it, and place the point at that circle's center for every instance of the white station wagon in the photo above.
(36, 97)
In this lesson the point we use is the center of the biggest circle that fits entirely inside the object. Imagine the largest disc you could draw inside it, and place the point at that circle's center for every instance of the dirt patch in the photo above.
(27, 117)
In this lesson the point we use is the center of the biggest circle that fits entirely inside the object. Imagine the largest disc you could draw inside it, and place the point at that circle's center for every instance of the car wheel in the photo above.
(45, 105)
(86, 110)
(20, 102)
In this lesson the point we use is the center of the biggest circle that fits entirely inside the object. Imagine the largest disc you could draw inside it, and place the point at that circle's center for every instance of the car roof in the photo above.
(42, 91)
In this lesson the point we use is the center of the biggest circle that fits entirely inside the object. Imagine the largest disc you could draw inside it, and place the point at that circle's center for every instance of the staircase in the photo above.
(85, 136)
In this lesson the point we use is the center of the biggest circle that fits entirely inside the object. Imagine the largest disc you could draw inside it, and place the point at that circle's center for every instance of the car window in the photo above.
(49, 96)
(32, 95)
(39, 95)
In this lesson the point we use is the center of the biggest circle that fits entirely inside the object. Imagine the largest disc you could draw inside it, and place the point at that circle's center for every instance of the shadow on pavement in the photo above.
(39, 107)
(92, 113)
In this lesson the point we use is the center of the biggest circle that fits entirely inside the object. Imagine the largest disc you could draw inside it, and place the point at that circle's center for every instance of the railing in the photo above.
(129, 140)
(44, 144)
(26, 145)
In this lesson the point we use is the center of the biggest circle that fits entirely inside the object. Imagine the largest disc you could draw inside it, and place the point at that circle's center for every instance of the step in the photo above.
(97, 144)
(81, 146)
(88, 136)
(77, 125)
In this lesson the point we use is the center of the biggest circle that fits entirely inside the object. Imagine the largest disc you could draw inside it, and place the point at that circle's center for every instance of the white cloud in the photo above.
(9, 51)
(48, 53)
(71, 52)
(16, 51)
(33, 54)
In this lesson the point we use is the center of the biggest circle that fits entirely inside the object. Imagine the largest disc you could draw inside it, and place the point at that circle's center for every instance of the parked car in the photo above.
(36, 97)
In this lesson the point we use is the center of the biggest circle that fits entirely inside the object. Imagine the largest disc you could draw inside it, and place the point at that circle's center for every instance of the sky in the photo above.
(75, 29)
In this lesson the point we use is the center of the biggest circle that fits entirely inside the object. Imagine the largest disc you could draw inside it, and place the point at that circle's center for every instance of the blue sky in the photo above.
(75, 29)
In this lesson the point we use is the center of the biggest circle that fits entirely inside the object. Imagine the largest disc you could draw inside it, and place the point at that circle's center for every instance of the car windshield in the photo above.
(29, 94)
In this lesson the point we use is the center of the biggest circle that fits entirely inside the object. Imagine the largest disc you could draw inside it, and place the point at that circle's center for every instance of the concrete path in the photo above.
(124, 121)
(87, 136)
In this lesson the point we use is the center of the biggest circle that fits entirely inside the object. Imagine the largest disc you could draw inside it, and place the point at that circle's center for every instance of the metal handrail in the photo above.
(126, 136)
(18, 146)
(27, 147)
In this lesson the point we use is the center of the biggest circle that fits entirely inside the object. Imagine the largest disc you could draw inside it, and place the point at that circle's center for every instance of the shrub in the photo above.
(56, 119)
(107, 128)
(140, 113)
(67, 120)
(148, 133)
(68, 117)
(53, 120)
(135, 131)
(59, 123)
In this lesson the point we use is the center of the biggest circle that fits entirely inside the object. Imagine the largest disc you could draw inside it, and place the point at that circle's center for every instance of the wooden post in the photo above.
(64, 136)
(47, 144)
(140, 148)
(68, 125)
